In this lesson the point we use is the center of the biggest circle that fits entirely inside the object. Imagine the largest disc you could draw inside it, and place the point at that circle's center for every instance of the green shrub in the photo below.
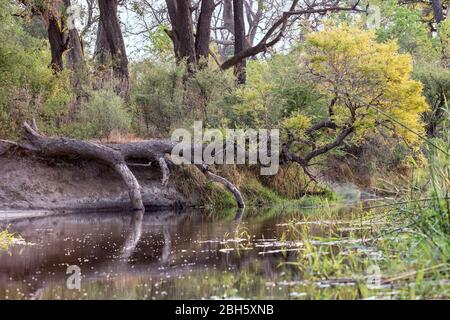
(104, 113)
(28, 87)
(436, 84)
(165, 97)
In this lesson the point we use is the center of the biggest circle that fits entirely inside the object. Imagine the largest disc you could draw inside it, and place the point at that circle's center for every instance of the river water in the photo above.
(161, 255)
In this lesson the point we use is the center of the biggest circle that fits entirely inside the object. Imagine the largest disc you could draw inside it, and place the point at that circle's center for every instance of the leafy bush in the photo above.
(104, 113)
(436, 82)
(405, 24)
(275, 90)
(28, 88)
(166, 97)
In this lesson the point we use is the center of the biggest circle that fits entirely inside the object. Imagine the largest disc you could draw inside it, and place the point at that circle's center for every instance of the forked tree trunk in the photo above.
(189, 47)
(62, 40)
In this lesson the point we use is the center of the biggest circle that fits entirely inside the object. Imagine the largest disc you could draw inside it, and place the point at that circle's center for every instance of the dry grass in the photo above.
(291, 182)
(121, 138)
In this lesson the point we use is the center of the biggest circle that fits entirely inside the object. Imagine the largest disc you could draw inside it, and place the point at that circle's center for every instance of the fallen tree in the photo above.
(118, 157)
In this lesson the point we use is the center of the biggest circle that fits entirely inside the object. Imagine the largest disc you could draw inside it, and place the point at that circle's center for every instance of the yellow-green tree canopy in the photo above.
(369, 83)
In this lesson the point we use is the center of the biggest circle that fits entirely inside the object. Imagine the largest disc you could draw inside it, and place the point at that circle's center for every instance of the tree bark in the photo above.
(111, 28)
(75, 54)
(438, 11)
(230, 187)
(239, 40)
(185, 34)
(187, 47)
(172, 9)
(227, 15)
(58, 41)
(61, 40)
(101, 52)
(204, 30)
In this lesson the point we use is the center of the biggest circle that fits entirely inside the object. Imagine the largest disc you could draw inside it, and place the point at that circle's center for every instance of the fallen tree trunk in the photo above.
(116, 156)
(51, 147)
(120, 157)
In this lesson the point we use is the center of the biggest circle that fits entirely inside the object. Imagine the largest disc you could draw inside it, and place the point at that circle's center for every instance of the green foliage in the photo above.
(28, 88)
(405, 24)
(158, 94)
(161, 46)
(370, 80)
(436, 82)
(256, 194)
(297, 124)
(366, 72)
(167, 97)
(275, 90)
(410, 24)
(104, 113)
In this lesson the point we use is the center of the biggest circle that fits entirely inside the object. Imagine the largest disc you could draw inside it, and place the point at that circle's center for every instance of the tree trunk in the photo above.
(58, 41)
(239, 39)
(113, 35)
(75, 54)
(61, 40)
(101, 52)
(187, 47)
(172, 9)
(102, 59)
(227, 15)
(185, 34)
(204, 30)
(438, 10)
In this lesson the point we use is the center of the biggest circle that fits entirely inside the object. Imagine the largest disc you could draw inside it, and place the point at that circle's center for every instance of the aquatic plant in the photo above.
(6, 239)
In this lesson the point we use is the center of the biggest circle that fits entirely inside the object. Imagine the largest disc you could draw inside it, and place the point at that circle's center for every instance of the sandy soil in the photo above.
(31, 183)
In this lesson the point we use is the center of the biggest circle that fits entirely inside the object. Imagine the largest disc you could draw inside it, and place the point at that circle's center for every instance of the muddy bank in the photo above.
(34, 183)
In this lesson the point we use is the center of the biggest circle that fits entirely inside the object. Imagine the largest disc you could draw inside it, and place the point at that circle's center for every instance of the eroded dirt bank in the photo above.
(34, 183)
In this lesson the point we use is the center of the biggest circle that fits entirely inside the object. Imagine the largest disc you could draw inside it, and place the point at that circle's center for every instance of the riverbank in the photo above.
(29, 182)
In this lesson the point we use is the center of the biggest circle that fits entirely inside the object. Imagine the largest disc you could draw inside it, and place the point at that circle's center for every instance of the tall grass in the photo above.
(407, 240)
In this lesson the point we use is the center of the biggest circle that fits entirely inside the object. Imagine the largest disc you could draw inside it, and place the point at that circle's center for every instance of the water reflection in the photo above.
(163, 255)
(134, 236)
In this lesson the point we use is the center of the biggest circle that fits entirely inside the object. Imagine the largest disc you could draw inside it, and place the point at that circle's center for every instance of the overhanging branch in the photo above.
(276, 32)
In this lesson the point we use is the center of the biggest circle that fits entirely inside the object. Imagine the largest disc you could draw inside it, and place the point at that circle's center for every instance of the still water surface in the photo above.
(162, 255)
